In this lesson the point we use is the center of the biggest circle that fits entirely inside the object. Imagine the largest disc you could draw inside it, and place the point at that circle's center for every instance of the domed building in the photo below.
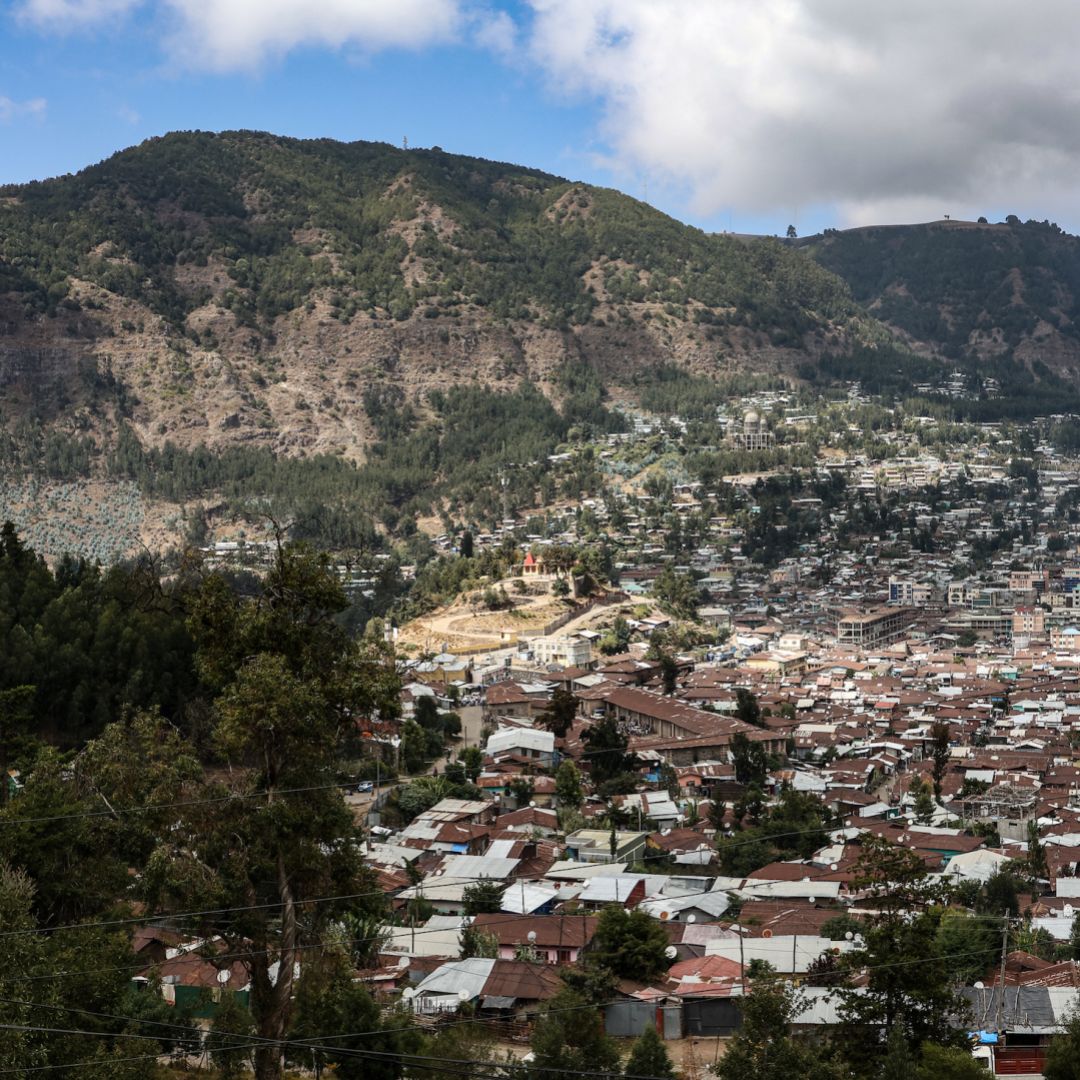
(754, 434)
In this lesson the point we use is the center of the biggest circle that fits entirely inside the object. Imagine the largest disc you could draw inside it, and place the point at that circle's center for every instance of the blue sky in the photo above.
(726, 114)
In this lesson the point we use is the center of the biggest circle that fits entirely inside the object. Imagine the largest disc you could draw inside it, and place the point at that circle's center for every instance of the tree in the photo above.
(477, 943)
(569, 1040)
(746, 707)
(606, 750)
(751, 765)
(1063, 1053)
(969, 945)
(917, 997)
(924, 802)
(568, 785)
(560, 713)
(291, 685)
(483, 897)
(649, 1057)
(669, 780)
(669, 672)
(940, 753)
(472, 759)
(791, 233)
(677, 593)
(899, 1061)
(1000, 894)
(631, 943)
(839, 926)
(1036, 856)
(227, 1042)
(414, 746)
(520, 789)
(1074, 938)
(949, 1063)
(331, 1007)
(824, 971)
(426, 712)
(764, 1048)
(465, 549)
(14, 715)
(617, 638)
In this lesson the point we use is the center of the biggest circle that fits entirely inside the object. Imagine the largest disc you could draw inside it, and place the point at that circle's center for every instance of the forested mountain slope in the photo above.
(1002, 299)
(242, 287)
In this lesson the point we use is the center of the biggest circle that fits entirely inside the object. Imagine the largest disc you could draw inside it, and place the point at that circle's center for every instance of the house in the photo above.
(564, 650)
(594, 846)
(552, 939)
(493, 987)
(789, 955)
(514, 699)
(534, 566)
(525, 744)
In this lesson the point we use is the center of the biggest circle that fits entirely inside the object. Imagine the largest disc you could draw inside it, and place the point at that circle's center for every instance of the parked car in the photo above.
(364, 787)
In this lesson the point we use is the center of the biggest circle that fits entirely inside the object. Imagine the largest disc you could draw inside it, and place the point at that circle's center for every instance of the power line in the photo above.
(408, 1060)
(507, 917)
(183, 803)
(431, 882)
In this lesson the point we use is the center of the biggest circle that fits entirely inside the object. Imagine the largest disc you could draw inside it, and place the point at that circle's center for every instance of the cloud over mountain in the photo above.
(238, 34)
(759, 104)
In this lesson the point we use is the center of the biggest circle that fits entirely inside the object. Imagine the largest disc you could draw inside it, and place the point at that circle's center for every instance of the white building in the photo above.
(566, 650)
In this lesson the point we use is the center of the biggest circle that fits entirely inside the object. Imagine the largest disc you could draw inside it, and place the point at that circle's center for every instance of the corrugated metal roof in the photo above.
(522, 981)
(469, 975)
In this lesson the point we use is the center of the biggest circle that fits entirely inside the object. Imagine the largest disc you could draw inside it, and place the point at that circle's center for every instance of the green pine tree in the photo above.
(649, 1057)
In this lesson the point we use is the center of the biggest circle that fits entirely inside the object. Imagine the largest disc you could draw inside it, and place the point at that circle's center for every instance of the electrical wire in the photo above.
(433, 882)
(183, 803)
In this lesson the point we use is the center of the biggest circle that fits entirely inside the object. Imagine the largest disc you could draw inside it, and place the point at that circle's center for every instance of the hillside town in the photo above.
(742, 763)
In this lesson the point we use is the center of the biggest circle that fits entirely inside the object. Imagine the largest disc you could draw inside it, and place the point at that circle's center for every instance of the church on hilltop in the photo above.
(754, 434)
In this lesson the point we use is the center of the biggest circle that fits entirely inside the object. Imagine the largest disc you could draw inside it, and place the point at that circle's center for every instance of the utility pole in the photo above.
(1001, 977)
(742, 964)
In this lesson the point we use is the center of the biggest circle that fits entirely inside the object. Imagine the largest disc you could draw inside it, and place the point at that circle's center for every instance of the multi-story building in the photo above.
(1028, 620)
(1029, 581)
(566, 650)
(908, 593)
(875, 627)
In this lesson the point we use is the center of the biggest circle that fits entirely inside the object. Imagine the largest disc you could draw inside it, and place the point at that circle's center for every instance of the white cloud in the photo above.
(242, 34)
(11, 110)
(72, 14)
(876, 109)
(228, 34)
(495, 31)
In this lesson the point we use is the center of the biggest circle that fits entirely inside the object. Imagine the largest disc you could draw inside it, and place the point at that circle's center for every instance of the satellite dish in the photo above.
(409, 993)
(531, 935)
(224, 975)
(671, 952)
(849, 936)
(835, 866)
(691, 918)
(463, 995)
(979, 986)
(812, 899)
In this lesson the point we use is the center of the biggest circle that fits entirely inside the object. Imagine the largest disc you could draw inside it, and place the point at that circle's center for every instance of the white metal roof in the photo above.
(459, 975)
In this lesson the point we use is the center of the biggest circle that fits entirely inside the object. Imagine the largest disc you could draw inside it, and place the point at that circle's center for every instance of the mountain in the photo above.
(998, 300)
(245, 289)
